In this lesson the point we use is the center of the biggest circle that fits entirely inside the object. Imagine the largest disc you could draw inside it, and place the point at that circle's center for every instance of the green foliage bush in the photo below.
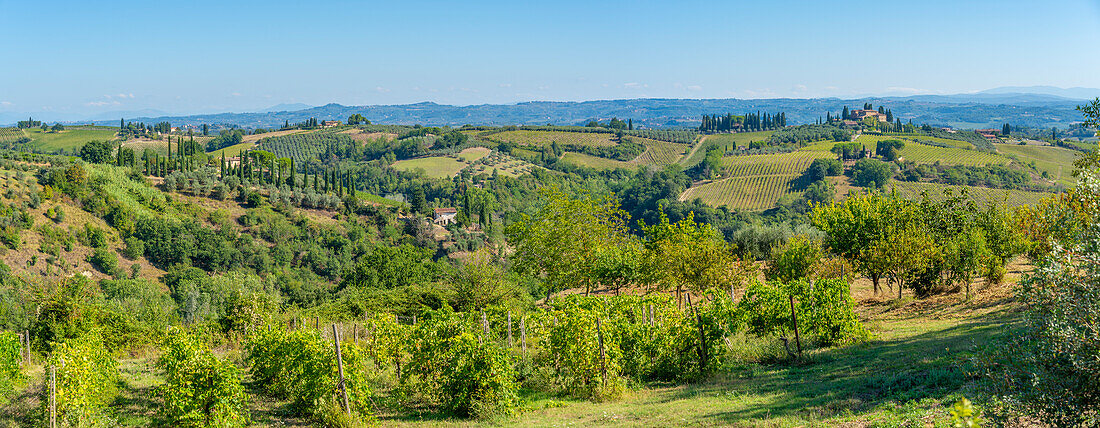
(825, 310)
(452, 365)
(1051, 371)
(105, 260)
(86, 381)
(301, 365)
(11, 375)
(200, 390)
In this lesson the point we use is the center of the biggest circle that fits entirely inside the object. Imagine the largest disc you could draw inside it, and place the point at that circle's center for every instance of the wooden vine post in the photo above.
(510, 344)
(603, 353)
(794, 318)
(340, 369)
(53, 396)
(523, 335)
(702, 342)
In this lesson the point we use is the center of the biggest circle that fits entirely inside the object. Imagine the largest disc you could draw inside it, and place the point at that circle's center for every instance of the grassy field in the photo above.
(434, 166)
(922, 153)
(72, 138)
(545, 138)
(1056, 161)
(257, 137)
(755, 182)
(581, 159)
(473, 153)
(741, 139)
(443, 166)
(981, 195)
(231, 151)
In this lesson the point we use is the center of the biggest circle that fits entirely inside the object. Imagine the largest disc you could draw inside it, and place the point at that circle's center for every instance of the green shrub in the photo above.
(825, 310)
(301, 365)
(134, 248)
(11, 377)
(457, 368)
(87, 379)
(105, 260)
(200, 390)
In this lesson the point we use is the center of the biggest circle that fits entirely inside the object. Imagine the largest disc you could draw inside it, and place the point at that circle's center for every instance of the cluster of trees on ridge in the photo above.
(748, 122)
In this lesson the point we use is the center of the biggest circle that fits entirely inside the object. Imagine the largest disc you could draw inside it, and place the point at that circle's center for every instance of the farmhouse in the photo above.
(445, 216)
(861, 114)
(330, 123)
(989, 134)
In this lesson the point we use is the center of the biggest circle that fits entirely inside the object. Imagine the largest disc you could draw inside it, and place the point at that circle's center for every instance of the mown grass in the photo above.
(473, 153)
(741, 139)
(72, 138)
(581, 159)
(231, 151)
(434, 166)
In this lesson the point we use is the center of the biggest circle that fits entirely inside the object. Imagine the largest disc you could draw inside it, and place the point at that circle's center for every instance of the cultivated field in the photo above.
(505, 165)
(71, 139)
(581, 159)
(722, 141)
(1056, 161)
(660, 152)
(755, 182)
(231, 151)
(9, 135)
(257, 137)
(545, 138)
(443, 166)
(980, 195)
(922, 153)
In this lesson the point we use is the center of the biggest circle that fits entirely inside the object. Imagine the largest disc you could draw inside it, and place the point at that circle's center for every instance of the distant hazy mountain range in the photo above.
(1038, 106)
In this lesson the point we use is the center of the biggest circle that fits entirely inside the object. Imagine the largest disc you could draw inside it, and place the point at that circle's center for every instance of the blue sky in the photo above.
(83, 58)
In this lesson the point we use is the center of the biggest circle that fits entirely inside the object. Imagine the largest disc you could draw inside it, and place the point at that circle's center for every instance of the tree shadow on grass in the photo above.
(862, 377)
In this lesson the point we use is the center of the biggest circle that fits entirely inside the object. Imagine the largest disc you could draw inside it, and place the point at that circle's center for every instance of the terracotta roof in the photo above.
(439, 211)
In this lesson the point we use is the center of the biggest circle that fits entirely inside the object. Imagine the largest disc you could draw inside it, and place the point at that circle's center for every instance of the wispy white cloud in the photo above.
(102, 103)
(381, 89)
(632, 85)
(907, 90)
(694, 88)
(5, 103)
